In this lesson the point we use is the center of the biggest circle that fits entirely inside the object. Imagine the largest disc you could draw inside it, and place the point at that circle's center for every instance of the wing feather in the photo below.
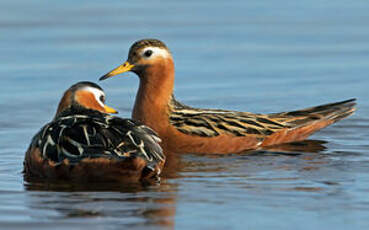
(94, 135)
(212, 123)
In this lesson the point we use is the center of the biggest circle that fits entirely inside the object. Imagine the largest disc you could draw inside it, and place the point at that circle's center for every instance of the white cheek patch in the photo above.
(97, 93)
(156, 52)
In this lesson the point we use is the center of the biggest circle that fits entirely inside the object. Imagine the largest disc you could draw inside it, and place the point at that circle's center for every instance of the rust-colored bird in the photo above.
(84, 143)
(184, 129)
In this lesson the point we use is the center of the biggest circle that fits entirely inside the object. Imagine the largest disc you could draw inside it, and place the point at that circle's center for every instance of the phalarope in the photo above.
(184, 129)
(84, 143)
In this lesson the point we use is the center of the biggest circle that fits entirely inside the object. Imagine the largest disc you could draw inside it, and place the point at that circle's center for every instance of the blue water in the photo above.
(260, 56)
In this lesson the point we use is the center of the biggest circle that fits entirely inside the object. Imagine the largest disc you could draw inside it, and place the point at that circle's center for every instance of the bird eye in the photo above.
(148, 53)
(102, 98)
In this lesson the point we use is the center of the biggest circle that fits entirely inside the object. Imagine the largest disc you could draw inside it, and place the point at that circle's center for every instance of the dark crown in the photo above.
(82, 84)
(145, 43)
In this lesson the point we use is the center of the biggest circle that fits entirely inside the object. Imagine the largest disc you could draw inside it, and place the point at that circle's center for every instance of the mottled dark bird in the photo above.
(84, 143)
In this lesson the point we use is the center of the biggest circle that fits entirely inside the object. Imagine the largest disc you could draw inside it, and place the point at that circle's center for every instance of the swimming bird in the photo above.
(184, 129)
(84, 143)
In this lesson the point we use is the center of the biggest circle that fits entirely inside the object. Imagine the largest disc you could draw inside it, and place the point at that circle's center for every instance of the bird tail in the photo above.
(302, 123)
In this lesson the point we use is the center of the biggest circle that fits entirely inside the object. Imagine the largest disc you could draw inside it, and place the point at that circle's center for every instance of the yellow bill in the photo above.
(120, 69)
(109, 109)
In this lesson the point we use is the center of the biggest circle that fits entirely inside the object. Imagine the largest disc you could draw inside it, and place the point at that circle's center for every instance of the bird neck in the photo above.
(64, 103)
(154, 94)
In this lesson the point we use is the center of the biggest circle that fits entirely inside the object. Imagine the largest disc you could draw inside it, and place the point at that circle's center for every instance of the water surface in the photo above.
(259, 56)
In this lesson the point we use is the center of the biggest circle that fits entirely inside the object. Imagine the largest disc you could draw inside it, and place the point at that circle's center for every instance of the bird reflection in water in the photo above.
(155, 204)
(149, 203)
